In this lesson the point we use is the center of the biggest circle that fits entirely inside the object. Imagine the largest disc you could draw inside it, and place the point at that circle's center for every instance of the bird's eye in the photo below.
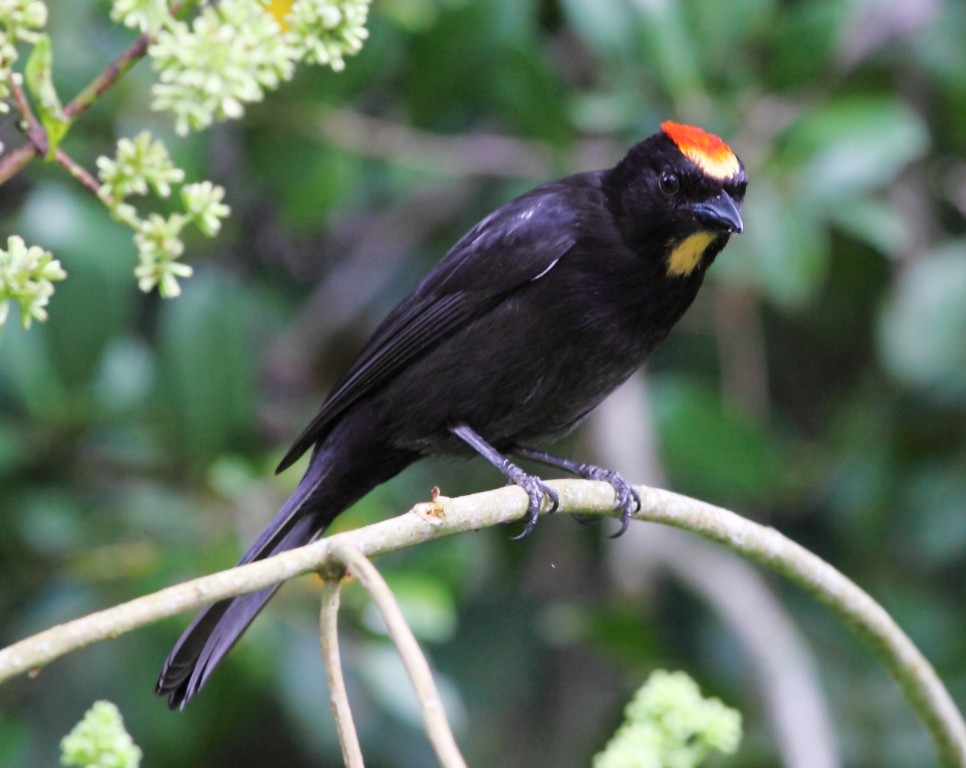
(670, 184)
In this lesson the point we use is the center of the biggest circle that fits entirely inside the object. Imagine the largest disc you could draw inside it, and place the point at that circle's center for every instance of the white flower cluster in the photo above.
(203, 203)
(233, 51)
(100, 739)
(27, 275)
(230, 54)
(669, 723)
(22, 20)
(19, 20)
(141, 165)
(146, 15)
(8, 55)
(138, 164)
(158, 240)
(324, 32)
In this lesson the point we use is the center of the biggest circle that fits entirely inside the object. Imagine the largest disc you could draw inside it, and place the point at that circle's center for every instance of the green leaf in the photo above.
(39, 75)
(874, 222)
(934, 498)
(784, 252)
(713, 452)
(98, 299)
(666, 37)
(531, 97)
(852, 146)
(605, 26)
(924, 323)
(208, 359)
(804, 39)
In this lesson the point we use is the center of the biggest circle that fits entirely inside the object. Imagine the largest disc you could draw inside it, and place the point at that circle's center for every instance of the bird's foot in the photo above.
(537, 491)
(628, 500)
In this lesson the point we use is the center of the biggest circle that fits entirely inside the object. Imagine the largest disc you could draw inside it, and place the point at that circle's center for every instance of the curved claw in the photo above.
(628, 500)
(537, 491)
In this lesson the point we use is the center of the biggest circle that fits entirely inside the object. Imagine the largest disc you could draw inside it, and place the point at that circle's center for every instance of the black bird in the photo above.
(531, 320)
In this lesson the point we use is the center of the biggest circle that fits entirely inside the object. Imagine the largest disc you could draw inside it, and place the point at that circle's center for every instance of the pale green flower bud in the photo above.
(27, 276)
(100, 741)
(145, 15)
(228, 57)
(203, 203)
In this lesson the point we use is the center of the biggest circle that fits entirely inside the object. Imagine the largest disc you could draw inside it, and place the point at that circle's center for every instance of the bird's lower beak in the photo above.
(720, 212)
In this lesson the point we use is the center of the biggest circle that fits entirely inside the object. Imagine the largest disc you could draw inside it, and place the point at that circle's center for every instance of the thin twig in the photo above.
(13, 161)
(338, 697)
(108, 76)
(31, 126)
(430, 703)
(443, 517)
(78, 171)
(113, 71)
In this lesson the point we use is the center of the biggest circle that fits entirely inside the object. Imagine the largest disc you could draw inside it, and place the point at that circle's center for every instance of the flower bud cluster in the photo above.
(233, 51)
(19, 20)
(669, 723)
(142, 165)
(27, 276)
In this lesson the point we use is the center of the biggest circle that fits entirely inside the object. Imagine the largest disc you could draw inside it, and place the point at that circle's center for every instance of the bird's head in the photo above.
(678, 194)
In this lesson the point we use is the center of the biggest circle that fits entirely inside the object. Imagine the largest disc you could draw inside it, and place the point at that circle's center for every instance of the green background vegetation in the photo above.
(817, 385)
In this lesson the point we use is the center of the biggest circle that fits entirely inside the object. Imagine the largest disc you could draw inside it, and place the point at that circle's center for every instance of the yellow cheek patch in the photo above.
(686, 254)
(704, 149)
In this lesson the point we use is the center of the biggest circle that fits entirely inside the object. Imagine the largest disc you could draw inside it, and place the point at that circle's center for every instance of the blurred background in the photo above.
(817, 385)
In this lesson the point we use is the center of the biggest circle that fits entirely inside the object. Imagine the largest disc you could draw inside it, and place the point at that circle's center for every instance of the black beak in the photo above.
(720, 212)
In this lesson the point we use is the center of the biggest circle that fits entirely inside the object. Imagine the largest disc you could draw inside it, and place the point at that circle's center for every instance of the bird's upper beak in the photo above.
(720, 212)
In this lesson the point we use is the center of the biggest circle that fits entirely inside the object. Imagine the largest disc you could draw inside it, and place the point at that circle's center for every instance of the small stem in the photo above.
(434, 717)
(13, 161)
(113, 71)
(96, 87)
(338, 697)
(33, 129)
(78, 171)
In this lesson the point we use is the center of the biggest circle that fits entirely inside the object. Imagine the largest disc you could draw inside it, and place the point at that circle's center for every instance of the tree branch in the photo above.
(338, 697)
(430, 703)
(432, 520)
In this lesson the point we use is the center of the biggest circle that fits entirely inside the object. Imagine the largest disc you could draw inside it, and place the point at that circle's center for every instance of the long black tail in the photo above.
(341, 471)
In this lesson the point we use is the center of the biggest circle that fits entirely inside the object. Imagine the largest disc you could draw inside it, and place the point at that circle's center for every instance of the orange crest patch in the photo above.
(704, 149)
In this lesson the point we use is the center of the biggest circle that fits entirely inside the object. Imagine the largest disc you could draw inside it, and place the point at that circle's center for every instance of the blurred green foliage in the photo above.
(137, 437)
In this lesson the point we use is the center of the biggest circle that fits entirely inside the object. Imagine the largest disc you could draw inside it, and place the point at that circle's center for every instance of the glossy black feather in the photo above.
(517, 243)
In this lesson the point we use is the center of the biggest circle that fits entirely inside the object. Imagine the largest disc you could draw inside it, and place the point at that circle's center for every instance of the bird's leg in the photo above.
(536, 489)
(628, 500)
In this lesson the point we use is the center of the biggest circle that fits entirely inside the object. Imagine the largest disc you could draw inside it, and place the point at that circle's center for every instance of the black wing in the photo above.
(515, 244)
